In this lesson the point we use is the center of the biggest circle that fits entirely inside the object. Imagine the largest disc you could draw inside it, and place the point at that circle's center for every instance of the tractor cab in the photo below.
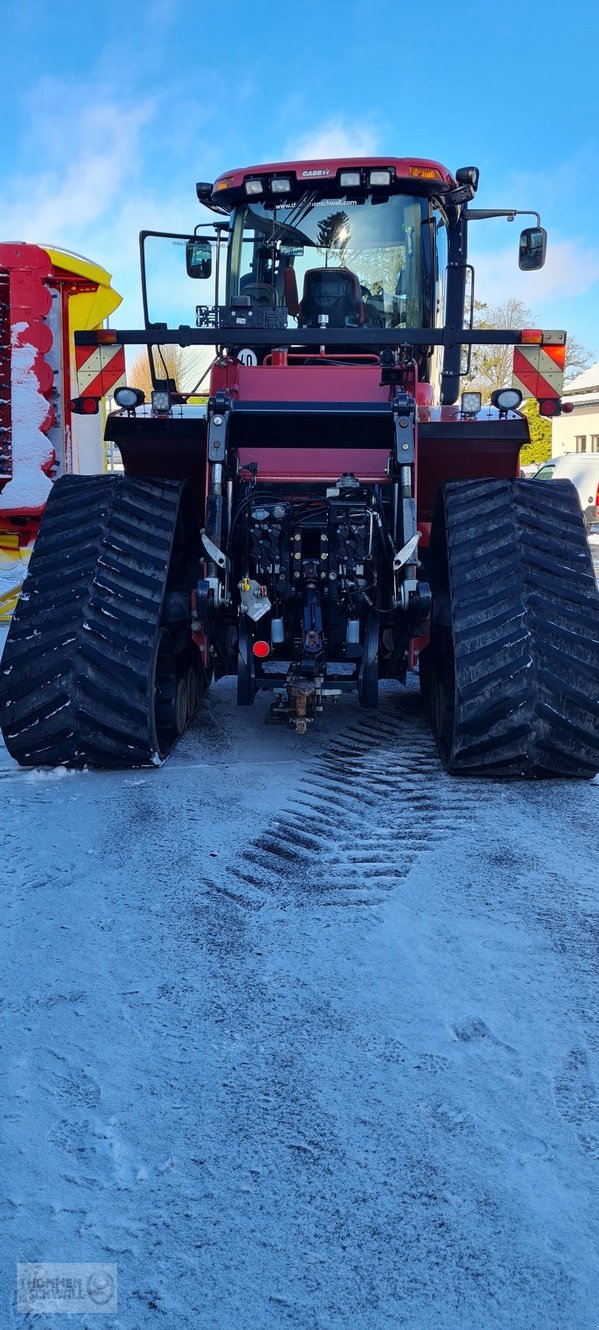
(371, 247)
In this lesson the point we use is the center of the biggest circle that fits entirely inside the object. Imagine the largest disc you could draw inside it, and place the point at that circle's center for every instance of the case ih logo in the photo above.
(313, 173)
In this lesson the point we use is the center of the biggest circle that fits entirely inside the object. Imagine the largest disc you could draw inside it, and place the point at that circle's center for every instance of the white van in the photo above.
(583, 471)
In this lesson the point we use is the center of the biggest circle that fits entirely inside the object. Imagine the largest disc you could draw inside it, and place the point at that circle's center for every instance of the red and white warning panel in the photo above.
(100, 369)
(539, 363)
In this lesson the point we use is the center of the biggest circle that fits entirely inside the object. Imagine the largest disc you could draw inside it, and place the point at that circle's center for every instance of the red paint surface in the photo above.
(320, 171)
(320, 465)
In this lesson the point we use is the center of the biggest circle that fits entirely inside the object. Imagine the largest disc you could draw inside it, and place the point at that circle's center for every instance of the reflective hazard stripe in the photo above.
(100, 369)
(538, 369)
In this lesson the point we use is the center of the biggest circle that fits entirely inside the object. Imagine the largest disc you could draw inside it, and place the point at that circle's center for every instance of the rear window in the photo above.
(545, 472)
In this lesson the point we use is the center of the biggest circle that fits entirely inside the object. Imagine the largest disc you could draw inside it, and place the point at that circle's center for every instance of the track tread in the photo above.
(527, 663)
(84, 696)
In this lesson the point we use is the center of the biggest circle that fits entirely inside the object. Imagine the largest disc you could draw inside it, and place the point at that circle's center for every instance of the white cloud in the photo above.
(92, 159)
(571, 269)
(95, 191)
(335, 138)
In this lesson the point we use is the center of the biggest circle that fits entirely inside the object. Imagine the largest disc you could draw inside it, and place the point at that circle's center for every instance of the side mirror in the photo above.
(532, 248)
(198, 258)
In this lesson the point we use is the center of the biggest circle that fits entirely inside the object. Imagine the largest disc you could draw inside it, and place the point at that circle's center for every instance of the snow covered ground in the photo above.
(302, 1033)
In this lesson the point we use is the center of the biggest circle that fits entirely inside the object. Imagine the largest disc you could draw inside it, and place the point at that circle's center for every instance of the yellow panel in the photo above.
(87, 309)
(61, 258)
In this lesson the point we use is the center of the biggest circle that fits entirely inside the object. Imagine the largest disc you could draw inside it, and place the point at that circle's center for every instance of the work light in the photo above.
(129, 398)
(376, 179)
(254, 187)
(471, 404)
(507, 399)
(281, 185)
(161, 402)
(350, 179)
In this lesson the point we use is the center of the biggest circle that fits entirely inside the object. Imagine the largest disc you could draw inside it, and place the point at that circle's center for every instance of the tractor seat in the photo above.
(260, 293)
(334, 292)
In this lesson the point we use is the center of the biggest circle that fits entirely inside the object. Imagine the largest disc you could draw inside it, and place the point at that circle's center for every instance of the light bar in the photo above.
(254, 187)
(350, 179)
(281, 185)
(471, 404)
(376, 179)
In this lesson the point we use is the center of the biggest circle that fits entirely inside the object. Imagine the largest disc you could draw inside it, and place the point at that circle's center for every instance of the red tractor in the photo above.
(335, 515)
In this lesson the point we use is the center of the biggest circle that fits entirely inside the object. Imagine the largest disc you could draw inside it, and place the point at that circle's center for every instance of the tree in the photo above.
(578, 357)
(334, 232)
(539, 448)
(491, 366)
(181, 363)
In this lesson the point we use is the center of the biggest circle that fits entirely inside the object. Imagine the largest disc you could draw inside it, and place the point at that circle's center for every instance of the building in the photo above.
(578, 432)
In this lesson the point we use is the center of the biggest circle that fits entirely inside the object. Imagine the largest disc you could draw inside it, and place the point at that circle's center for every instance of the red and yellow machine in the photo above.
(44, 295)
(338, 513)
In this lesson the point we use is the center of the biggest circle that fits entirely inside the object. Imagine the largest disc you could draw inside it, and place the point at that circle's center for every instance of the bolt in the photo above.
(218, 420)
(297, 555)
(404, 447)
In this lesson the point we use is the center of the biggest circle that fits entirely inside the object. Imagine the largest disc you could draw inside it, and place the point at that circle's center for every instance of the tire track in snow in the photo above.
(369, 807)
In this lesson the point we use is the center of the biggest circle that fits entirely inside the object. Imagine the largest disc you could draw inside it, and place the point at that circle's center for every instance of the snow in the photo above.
(301, 1032)
(31, 448)
(586, 381)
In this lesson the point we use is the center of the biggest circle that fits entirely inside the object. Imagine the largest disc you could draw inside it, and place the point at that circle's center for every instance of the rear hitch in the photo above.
(300, 701)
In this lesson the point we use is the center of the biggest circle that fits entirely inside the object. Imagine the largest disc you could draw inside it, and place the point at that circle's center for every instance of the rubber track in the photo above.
(77, 673)
(525, 616)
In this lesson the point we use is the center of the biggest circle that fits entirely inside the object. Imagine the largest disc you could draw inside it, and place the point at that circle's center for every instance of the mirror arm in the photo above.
(480, 214)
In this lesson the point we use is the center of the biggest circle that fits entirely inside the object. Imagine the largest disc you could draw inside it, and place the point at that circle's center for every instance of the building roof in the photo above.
(584, 387)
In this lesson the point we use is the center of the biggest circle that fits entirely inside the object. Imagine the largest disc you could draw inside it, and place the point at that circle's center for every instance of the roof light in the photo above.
(223, 184)
(376, 179)
(532, 336)
(261, 650)
(425, 172)
(506, 399)
(471, 404)
(129, 398)
(281, 185)
(254, 187)
(350, 179)
(161, 402)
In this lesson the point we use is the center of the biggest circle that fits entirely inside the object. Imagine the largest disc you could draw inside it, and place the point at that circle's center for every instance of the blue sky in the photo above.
(110, 114)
